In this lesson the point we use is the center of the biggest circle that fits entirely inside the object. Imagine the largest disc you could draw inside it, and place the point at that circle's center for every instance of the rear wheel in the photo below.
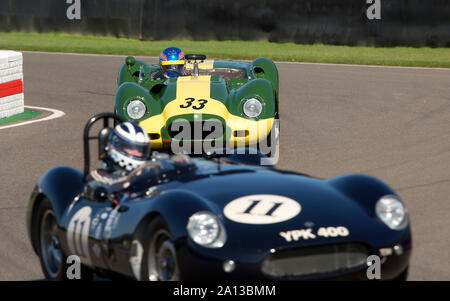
(160, 258)
(53, 262)
(52, 258)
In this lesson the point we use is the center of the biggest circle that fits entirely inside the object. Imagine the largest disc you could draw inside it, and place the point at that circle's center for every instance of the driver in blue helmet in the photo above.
(172, 63)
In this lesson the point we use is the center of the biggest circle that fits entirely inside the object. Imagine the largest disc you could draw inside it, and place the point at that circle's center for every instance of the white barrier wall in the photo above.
(11, 83)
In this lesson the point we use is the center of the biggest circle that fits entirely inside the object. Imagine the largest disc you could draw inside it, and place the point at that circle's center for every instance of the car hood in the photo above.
(242, 198)
(192, 95)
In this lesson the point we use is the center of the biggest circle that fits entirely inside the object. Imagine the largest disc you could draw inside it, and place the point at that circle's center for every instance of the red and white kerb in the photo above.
(11, 83)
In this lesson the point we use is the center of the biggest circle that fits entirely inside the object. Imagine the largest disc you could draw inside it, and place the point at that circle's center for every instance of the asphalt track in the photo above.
(393, 123)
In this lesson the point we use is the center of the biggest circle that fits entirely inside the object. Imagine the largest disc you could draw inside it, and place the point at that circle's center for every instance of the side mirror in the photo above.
(130, 61)
(100, 194)
(95, 191)
(103, 138)
(195, 58)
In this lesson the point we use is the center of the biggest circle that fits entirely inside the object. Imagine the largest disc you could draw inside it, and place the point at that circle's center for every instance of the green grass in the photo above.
(394, 56)
(19, 117)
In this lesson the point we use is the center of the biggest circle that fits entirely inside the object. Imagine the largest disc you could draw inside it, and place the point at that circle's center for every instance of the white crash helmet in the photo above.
(129, 146)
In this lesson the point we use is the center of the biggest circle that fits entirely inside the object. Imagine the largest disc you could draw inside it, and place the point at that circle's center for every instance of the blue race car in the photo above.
(216, 217)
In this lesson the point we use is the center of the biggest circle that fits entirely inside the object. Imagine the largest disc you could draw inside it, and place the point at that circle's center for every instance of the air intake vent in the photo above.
(313, 261)
(197, 130)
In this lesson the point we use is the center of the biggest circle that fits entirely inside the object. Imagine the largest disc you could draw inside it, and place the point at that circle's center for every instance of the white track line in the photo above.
(55, 114)
(278, 62)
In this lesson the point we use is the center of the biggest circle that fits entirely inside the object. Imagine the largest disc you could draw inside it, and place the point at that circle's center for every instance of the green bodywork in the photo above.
(261, 81)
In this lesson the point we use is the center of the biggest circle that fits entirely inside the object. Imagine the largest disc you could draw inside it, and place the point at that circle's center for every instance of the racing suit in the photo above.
(109, 182)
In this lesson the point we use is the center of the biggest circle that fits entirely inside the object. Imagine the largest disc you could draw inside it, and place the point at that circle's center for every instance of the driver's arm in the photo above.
(158, 75)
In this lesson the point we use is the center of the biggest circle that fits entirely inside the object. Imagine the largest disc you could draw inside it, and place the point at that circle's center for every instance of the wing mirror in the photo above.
(100, 194)
(96, 192)
(195, 58)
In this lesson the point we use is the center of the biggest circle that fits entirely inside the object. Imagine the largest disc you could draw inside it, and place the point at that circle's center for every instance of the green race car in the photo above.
(216, 103)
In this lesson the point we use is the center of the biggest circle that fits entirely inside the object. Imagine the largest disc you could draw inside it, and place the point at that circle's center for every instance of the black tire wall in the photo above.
(403, 22)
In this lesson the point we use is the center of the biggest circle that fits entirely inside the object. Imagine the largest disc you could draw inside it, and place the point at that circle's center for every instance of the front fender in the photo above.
(265, 68)
(364, 189)
(177, 206)
(59, 185)
(129, 91)
(260, 88)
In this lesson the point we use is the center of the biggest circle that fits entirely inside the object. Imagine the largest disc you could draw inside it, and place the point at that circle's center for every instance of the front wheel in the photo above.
(403, 276)
(53, 261)
(50, 254)
(160, 258)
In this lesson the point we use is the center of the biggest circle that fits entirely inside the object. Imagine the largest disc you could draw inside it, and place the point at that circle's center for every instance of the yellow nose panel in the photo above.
(193, 97)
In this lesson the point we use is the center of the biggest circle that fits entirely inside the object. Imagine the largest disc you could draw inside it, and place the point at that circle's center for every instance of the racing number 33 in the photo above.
(190, 101)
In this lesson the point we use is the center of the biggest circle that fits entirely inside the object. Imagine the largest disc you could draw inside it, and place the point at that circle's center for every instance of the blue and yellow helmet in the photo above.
(172, 61)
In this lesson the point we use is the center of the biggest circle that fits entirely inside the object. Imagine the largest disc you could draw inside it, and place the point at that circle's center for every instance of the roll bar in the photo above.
(195, 58)
(102, 136)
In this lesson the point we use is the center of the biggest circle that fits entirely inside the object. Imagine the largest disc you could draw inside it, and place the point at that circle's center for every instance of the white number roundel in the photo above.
(262, 209)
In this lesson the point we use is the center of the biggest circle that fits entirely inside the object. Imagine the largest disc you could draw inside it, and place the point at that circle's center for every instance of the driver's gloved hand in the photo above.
(158, 75)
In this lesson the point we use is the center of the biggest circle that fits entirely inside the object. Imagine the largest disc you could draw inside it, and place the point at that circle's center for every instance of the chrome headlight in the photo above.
(136, 109)
(205, 229)
(252, 107)
(392, 212)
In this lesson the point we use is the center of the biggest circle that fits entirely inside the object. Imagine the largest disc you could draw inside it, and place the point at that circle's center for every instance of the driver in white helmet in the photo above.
(128, 148)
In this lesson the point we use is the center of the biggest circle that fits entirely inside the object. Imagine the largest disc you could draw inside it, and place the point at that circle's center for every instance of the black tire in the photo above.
(403, 276)
(159, 261)
(52, 258)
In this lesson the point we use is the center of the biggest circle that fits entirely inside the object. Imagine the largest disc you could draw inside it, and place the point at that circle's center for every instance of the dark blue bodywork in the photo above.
(346, 201)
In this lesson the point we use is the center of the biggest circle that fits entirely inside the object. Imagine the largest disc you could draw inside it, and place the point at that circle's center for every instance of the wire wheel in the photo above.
(162, 260)
(51, 254)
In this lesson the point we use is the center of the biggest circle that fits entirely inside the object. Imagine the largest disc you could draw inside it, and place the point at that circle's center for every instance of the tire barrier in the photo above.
(11, 83)
(342, 22)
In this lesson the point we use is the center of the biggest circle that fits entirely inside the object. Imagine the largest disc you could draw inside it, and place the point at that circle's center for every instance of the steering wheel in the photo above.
(194, 57)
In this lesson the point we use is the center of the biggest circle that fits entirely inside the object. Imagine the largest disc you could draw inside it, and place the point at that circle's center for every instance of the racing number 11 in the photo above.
(256, 202)
(78, 232)
(77, 237)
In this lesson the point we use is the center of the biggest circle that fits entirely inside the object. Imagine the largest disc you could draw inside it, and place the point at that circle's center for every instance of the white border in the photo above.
(55, 114)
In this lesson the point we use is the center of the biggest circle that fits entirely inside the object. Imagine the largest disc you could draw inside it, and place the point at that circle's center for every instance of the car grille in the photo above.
(214, 126)
(313, 261)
